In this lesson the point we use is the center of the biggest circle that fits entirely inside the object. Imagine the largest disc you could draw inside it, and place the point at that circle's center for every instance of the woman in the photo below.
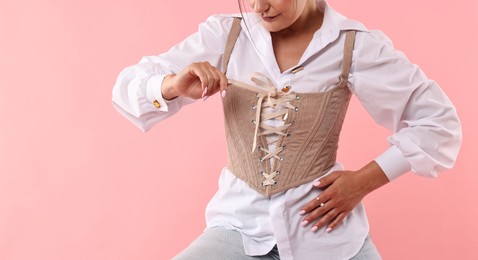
(286, 73)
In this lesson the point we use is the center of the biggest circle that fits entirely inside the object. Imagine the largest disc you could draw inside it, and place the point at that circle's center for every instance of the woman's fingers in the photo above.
(326, 214)
(197, 71)
(321, 208)
(336, 221)
(212, 79)
(325, 218)
(217, 80)
(222, 82)
(316, 202)
(209, 82)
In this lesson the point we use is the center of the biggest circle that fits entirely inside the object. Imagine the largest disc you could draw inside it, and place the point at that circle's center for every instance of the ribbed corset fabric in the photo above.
(306, 143)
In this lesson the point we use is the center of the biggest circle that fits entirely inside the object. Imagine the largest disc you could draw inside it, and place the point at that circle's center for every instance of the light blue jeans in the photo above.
(222, 244)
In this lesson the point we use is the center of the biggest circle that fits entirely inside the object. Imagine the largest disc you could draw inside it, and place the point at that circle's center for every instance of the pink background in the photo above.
(78, 181)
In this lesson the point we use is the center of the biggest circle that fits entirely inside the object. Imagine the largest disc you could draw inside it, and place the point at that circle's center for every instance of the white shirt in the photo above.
(397, 94)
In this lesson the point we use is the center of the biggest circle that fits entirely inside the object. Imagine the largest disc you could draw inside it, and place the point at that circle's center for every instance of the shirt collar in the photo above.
(333, 23)
(336, 21)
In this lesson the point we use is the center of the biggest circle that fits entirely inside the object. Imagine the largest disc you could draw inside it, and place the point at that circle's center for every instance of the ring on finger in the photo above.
(321, 204)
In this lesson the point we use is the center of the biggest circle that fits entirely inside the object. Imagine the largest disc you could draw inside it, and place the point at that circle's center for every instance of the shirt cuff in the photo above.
(153, 92)
(393, 163)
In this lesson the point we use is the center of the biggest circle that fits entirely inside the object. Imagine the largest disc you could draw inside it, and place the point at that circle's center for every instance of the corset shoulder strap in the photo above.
(231, 41)
(348, 52)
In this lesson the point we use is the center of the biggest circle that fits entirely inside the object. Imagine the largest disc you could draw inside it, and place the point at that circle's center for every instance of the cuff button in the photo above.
(156, 104)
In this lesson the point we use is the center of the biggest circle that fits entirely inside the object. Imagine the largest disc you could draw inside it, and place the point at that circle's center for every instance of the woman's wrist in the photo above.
(372, 177)
(167, 88)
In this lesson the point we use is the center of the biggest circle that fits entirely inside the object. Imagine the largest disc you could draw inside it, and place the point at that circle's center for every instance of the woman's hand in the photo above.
(342, 191)
(198, 80)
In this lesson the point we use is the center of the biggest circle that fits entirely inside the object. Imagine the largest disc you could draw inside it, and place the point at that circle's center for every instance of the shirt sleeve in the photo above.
(137, 91)
(397, 94)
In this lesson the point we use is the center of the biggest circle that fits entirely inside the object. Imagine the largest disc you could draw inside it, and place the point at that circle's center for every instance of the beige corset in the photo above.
(272, 159)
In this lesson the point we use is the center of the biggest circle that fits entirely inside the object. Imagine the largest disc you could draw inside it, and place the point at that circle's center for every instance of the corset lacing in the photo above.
(279, 102)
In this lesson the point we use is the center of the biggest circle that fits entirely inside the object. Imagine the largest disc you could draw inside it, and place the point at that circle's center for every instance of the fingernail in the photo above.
(223, 93)
(204, 92)
(314, 228)
(304, 223)
(328, 230)
(316, 183)
(302, 212)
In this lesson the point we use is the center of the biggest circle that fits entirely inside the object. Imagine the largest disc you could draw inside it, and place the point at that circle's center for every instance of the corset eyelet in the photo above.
(296, 109)
(274, 184)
